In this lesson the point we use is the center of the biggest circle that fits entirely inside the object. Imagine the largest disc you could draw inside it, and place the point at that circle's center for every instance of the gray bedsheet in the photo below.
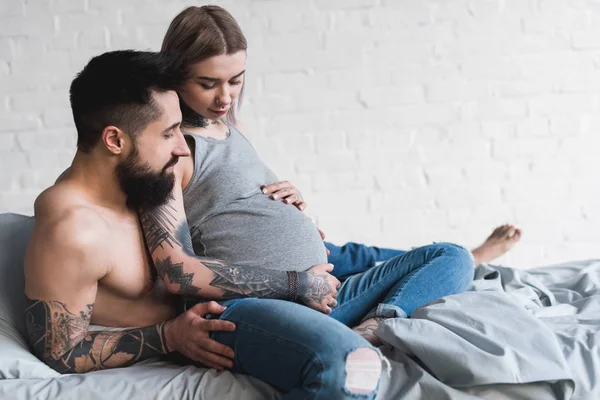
(515, 335)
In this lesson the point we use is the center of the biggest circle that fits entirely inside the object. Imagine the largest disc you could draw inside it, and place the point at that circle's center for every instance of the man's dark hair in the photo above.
(115, 88)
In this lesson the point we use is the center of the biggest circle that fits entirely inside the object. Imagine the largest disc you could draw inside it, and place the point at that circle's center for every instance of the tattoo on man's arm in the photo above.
(60, 338)
(317, 288)
(237, 281)
(159, 227)
(174, 272)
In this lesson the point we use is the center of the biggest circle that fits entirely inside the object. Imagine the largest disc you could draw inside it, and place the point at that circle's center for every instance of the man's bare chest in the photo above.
(131, 273)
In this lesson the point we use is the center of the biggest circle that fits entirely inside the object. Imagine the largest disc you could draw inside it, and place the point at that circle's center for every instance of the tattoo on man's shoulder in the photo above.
(175, 274)
(159, 227)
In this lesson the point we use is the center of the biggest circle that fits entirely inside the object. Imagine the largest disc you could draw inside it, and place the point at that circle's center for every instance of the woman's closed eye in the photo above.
(214, 85)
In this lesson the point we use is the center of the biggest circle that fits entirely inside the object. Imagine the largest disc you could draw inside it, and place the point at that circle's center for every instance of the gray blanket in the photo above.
(515, 335)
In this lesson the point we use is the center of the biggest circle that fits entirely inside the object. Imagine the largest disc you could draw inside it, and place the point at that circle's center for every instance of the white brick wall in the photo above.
(403, 122)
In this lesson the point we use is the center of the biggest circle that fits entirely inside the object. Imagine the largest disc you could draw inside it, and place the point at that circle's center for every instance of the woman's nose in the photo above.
(223, 99)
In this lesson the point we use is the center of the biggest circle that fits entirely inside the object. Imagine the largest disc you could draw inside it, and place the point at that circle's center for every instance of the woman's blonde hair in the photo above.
(198, 33)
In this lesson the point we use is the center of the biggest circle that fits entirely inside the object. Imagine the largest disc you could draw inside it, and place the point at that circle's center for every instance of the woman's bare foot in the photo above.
(497, 244)
(366, 328)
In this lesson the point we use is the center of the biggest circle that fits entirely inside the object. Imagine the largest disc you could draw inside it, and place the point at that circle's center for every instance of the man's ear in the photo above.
(114, 139)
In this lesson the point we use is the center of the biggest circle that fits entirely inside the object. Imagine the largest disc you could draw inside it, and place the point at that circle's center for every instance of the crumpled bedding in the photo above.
(516, 334)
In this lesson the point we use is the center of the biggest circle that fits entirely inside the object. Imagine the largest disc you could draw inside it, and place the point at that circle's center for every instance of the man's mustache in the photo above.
(171, 162)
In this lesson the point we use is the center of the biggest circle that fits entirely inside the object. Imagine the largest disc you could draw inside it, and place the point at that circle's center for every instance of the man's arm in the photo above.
(168, 239)
(60, 338)
(63, 266)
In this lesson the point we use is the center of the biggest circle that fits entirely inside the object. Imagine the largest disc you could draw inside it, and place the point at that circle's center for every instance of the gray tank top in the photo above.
(232, 220)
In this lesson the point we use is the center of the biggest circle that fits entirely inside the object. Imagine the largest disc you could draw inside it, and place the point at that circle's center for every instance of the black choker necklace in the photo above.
(191, 118)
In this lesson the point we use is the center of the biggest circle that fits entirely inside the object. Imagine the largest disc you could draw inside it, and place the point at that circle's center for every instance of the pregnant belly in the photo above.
(269, 235)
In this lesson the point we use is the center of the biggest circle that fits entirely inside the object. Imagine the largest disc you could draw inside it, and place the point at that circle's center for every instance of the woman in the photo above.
(196, 33)
(225, 191)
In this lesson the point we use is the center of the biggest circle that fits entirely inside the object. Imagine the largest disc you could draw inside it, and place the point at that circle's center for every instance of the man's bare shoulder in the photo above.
(66, 228)
(58, 198)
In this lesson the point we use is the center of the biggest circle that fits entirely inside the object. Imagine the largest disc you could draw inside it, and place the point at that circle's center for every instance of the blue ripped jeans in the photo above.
(303, 352)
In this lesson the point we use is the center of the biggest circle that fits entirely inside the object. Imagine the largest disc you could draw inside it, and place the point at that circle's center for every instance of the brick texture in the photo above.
(403, 122)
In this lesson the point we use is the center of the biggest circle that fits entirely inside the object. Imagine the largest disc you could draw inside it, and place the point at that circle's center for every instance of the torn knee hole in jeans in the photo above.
(363, 370)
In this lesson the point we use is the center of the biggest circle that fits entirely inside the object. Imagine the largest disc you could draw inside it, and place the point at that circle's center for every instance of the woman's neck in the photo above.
(191, 118)
(218, 131)
(195, 123)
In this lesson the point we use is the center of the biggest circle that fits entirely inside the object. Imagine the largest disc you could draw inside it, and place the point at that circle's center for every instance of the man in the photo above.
(86, 261)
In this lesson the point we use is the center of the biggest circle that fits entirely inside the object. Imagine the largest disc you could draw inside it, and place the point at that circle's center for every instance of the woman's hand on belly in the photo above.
(286, 192)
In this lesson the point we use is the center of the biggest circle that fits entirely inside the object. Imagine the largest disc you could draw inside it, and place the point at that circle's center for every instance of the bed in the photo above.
(515, 334)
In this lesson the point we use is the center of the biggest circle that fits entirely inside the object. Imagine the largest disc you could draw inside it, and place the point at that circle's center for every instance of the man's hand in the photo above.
(321, 289)
(287, 192)
(189, 335)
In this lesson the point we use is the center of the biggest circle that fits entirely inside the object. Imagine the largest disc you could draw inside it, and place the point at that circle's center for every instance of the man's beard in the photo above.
(144, 188)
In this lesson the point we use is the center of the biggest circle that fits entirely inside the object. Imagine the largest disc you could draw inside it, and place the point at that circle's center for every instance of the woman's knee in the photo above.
(460, 253)
(461, 261)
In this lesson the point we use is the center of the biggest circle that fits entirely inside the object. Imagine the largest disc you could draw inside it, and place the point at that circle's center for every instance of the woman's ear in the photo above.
(113, 139)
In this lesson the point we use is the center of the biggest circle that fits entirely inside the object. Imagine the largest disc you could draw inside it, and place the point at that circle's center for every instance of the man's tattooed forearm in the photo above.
(237, 281)
(58, 331)
(60, 338)
(174, 272)
(159, 227)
